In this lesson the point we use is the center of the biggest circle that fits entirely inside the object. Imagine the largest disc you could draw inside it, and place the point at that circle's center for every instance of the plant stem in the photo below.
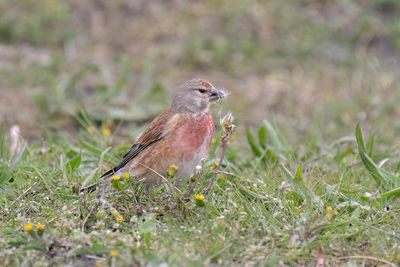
(216, 171)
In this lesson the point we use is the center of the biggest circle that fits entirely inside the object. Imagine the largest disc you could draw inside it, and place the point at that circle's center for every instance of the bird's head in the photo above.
(196, 96)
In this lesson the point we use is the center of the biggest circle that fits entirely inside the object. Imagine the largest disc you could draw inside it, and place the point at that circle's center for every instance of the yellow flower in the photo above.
(116, 177)
(330, 212)
(199, 200)
(126, 175)
(199, 197)
(114, 253)
(40, 226)
(28, 227)
(172, 170)
(214, 166)
(119, 218)
(106, 132)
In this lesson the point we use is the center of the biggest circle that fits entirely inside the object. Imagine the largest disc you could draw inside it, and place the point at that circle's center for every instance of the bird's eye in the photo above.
(202, 90)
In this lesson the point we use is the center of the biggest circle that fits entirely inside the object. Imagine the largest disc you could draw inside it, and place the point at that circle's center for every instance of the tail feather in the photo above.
(92, 187)
(109, 172)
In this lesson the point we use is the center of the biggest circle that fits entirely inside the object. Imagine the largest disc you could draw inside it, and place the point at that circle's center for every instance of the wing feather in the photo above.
(156, 131)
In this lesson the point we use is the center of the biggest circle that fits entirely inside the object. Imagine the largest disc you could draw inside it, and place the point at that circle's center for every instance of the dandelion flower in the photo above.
(116, 178)
(28, 227)
(173, 169)
(199, 200)
(119, 218)
(40, 226)
(126, 175)
(106, 132)
(330, 212)
(214, 166)
(199, 197)
(114, 253)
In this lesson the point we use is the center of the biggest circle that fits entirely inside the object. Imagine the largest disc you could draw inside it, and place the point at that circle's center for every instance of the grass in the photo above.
(318, 204)
(310, 178)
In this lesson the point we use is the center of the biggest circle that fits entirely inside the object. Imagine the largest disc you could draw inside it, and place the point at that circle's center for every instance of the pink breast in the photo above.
(196, 131)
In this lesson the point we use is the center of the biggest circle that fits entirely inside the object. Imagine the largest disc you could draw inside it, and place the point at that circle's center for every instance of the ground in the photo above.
(302, 183)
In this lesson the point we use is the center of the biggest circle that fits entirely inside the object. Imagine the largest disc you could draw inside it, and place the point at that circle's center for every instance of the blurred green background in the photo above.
(315, 67)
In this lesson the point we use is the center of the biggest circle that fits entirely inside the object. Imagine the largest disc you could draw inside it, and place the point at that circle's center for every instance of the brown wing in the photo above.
(156, 131)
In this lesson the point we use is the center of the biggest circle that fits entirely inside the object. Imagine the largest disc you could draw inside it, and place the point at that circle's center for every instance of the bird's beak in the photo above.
(217, 94)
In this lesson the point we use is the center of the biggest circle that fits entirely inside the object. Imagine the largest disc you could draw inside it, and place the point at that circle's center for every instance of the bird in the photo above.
(180, 136)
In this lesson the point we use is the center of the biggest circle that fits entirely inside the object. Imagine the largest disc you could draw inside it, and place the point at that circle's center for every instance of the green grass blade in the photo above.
(299, 174)
(394, 193)
(262, 137)
(368, 162)
(276, 138)
(371, 145)
(73, 164)
(360, 139)
(254, 147)
(271, 155)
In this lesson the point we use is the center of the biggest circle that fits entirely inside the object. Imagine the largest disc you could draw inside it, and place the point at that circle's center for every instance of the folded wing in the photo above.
(156, 131)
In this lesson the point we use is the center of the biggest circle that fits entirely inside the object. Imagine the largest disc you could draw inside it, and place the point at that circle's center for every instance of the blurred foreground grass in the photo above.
(81, 79)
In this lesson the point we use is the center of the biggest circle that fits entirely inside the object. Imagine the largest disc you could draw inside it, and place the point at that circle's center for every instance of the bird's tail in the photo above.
(92, 187)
